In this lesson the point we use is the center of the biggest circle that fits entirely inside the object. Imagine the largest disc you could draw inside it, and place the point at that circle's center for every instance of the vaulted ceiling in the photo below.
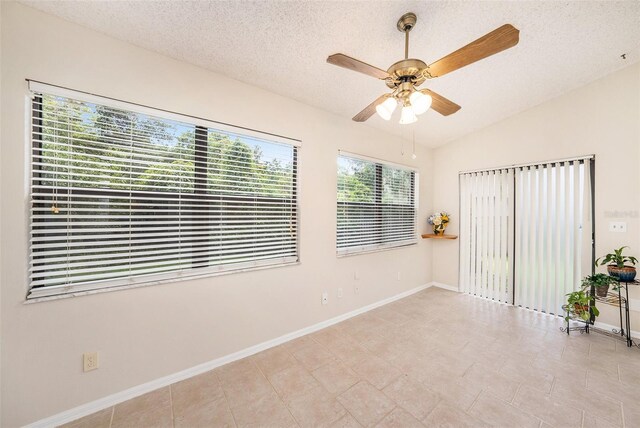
(282, 46)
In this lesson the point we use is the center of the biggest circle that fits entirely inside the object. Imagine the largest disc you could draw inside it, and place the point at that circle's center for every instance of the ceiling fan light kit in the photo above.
(405, 76)
(386, 108)
(408, 116)
(420, 102)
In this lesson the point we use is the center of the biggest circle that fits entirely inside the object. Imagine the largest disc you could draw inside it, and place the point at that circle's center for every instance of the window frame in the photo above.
(379, 206)
(202, 129)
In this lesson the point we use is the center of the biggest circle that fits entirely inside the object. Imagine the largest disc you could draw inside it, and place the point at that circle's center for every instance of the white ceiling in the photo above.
(282, 47)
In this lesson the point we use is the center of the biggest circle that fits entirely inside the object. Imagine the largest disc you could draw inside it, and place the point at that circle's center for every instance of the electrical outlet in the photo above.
(90, 361)
(356, 289)
(356, 275)
(399, 277)
(617, 226)
(325, 297)
(340, 293)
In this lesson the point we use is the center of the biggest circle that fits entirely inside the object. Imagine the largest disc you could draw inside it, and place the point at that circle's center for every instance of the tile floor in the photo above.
(436, 358)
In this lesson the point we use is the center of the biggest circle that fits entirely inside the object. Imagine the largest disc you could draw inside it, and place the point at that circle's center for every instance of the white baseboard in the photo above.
(597, 324)
(445, 286)
(119, 397)
(609, 327)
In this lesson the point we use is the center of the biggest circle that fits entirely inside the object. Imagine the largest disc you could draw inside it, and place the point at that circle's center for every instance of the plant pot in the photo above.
(579, 310)
(602, 290)
(624, 274)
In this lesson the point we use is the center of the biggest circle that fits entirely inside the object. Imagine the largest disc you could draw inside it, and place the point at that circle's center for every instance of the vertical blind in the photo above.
(376, 205)
(553, 233)
(119, 197)
(526, 233)
(486, 234)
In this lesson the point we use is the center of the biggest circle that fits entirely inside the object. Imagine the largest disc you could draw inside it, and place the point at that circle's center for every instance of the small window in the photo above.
(119, 198)
(376, 205)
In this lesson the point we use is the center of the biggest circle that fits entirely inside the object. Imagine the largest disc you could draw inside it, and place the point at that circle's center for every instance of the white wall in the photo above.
(602, 118)
(146, 333)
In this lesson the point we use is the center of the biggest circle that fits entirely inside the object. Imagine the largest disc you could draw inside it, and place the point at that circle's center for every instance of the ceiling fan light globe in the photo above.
(407, 116)
(420, 102)
(386, 108)
(383, 113)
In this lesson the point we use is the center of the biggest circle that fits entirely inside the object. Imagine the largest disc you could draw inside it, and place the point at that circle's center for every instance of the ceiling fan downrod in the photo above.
(406, 44)
(405, 24)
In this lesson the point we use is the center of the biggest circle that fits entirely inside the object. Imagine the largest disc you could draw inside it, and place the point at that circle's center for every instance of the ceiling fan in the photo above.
(406, 75)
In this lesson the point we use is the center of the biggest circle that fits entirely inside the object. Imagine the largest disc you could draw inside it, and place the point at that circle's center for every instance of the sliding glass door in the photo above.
(486, 234)
(552, 232)
(526, 232)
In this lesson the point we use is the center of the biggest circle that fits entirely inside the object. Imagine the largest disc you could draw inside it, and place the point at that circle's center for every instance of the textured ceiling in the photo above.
(282, 47)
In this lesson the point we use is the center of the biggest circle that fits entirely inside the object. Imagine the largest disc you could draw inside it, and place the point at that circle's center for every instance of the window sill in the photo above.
(374, 250)
(70, 294)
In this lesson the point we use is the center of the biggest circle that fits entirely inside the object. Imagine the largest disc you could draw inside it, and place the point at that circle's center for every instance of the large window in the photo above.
(121, 197)
(376, 205)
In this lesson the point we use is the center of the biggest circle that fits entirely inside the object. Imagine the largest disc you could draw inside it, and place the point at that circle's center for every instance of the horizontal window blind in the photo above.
(376, 205)
(120, 198)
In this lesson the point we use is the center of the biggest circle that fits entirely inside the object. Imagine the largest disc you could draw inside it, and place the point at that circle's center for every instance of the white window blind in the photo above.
(525, 234)
(552, 232)
(486, 234)
(376, 205)
(120, 197)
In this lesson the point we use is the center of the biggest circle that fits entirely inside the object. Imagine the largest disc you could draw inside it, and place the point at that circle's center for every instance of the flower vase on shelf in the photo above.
(439, 229)
(439, 221)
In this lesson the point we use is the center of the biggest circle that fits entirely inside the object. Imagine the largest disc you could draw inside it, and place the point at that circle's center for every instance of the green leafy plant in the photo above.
(599, 280)
(617, 258)
(578, 304)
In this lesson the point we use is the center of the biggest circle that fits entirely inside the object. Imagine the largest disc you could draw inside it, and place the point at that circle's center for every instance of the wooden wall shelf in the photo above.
(432, 236)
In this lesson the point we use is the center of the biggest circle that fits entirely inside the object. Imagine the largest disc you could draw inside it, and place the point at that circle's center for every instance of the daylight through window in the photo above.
(119, 197)
(376, 205)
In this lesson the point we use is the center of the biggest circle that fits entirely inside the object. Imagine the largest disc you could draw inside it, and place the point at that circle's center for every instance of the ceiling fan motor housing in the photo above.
(410, 70)
(404, 90)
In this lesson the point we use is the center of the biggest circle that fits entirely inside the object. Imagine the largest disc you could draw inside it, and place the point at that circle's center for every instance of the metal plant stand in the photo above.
(616, 299)
(613, 298)
(622, 302)
(574, 323)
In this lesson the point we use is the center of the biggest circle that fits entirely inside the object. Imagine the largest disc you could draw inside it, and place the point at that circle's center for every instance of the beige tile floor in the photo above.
(436, 358)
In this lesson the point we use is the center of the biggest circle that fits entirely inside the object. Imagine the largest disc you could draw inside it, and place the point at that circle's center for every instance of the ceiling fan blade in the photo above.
(370, 109)
(441, 104)
(496, 41)
(345, 61)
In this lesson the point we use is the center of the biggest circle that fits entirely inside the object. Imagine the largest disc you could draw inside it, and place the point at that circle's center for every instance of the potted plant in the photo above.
(578, 304)
(600, 282)
(616, 265)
